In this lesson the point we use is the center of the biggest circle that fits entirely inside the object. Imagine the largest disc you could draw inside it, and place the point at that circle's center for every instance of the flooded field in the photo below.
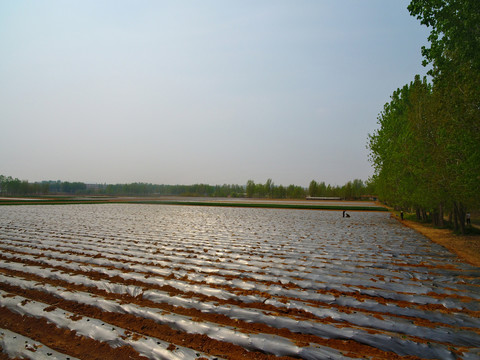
(179, 282)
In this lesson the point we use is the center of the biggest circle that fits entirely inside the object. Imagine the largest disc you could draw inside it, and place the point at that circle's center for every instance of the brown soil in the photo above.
(4, 356)
(199, 342)
(466, 247)
(64, 341)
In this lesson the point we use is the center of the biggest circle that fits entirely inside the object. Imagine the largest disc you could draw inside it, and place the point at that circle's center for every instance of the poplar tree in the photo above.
(426, 153)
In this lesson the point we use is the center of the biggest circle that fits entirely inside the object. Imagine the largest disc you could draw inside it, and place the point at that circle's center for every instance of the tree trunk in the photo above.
(455, 216)
(424, 215)
(459, 216)
(417, 211)
(440, 215)
(435, 217)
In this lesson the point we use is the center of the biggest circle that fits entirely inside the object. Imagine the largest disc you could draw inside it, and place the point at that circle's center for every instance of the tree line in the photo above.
(147, 189)
(355, 189)
(426, 151)
(352, 190)
(11, 186)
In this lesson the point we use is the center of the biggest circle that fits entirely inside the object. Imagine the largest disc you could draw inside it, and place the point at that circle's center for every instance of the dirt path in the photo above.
(465, 247)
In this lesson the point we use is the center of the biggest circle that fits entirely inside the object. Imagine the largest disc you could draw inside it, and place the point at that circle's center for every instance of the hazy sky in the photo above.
(183, 92)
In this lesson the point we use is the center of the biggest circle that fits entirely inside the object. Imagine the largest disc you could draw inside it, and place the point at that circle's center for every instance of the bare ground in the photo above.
(467, 247)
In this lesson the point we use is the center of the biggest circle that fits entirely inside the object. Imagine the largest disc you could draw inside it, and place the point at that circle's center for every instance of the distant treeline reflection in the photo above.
(351, 190)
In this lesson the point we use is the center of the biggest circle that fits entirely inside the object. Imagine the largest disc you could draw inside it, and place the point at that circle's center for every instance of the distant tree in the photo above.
(268, 187)
(280, 192)
(260, 190)
(347, 191)
(296, 192)
(3, 184)
(313, 188)
(250, 189)
(322, 189)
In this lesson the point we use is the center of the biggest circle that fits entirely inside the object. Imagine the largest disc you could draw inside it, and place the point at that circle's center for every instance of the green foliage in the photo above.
(455, 32)
(401, 147)
(313, 189)
(355, 189)
(426, 152)
(270, 190)
(144, 189)
(351, 190)
(16, 187)
(250, 189)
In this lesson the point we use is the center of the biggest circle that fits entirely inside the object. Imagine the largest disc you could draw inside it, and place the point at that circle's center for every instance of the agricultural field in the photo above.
(137, 281)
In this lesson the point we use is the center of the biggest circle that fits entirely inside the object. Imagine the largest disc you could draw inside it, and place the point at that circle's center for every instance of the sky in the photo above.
(185, 92)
